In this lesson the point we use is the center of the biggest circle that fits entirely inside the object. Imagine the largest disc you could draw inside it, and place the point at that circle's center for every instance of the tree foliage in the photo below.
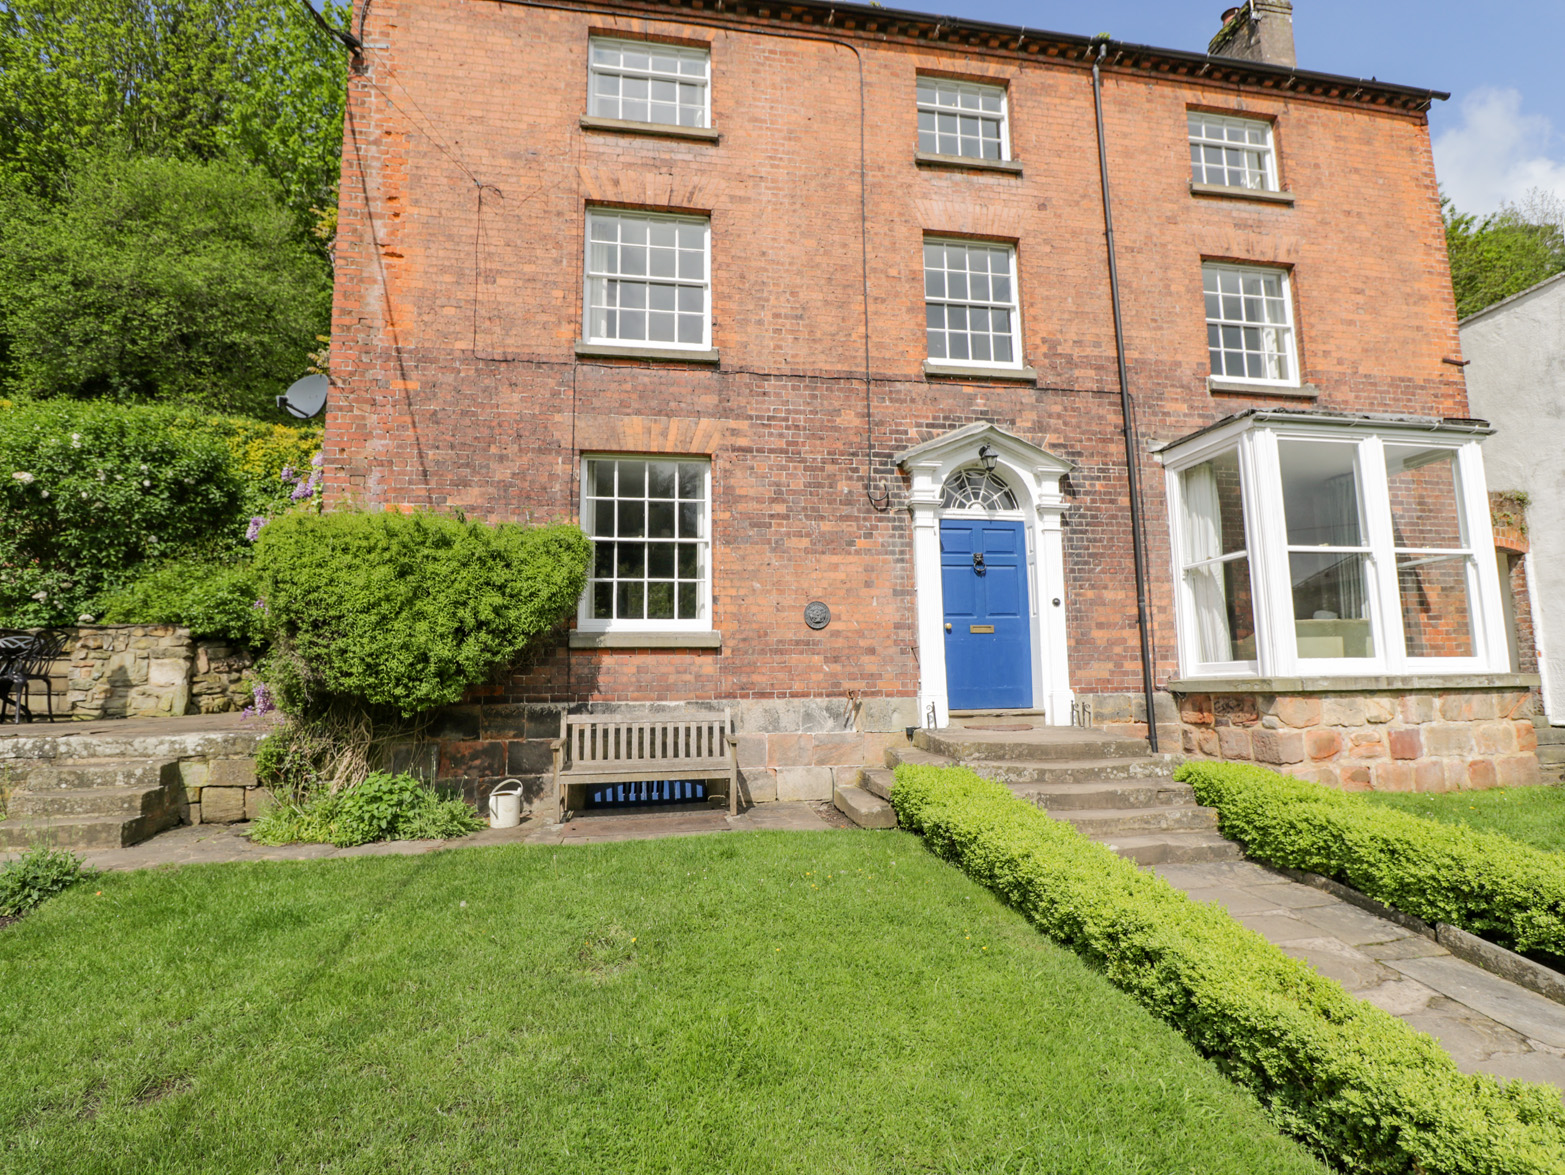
(184, 79)
(1504, 253)
(158, 279)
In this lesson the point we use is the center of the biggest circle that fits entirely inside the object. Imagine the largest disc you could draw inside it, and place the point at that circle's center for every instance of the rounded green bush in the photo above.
(406, 611)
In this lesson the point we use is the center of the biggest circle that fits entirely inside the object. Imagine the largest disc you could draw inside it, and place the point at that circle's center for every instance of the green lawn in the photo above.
(758, 1002)
(1533, 815)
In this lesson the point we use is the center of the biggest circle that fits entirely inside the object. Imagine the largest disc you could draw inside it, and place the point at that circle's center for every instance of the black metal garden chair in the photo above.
(26, 658)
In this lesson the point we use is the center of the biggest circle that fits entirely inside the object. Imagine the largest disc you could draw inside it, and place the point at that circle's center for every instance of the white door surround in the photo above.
(1033, 475)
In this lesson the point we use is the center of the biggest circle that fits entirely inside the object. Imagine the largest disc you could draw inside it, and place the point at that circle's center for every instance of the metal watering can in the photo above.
(505, 804)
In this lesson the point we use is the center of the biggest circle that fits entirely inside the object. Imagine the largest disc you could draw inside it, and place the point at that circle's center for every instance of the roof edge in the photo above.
(1503, 302)
(824, 17)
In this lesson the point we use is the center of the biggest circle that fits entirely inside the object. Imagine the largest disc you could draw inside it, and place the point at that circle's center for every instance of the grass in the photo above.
(1532, 815)
(764, 1002)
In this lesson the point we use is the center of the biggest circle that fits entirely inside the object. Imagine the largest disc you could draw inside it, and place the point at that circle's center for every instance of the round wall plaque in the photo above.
(816, 614)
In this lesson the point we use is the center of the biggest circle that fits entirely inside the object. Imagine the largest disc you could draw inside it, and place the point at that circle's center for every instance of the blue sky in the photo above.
(1503, 130)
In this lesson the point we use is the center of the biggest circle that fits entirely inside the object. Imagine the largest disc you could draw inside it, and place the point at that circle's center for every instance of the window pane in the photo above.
(660, 479)
(603, 519)
(603, 561)
(631, 561)
(632, 519)
(660, 520)
(1425, 497)
(689, 601)
(691, 483)
(660, 560)
(1437, 614)
(1330, 604)
(660, 601)
(1320, 494)
(1224, 611)
(603, 601)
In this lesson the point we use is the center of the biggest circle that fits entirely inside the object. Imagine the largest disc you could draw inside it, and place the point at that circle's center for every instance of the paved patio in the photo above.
(1487, 1024)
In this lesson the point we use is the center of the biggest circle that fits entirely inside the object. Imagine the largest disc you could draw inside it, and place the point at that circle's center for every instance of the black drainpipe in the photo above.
(1132, 466)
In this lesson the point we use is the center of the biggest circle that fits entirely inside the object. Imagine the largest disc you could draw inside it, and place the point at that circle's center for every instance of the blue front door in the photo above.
(983, 574)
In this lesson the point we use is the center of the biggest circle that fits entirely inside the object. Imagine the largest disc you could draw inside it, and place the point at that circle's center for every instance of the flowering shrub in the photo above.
(97, 496)
(92, 491)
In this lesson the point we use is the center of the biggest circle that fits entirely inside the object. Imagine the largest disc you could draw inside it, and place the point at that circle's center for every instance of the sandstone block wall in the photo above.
(143, 671)
(1381, 740)
(788, 749)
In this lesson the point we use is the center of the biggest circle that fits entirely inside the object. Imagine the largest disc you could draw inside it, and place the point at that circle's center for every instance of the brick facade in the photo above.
(466, 176)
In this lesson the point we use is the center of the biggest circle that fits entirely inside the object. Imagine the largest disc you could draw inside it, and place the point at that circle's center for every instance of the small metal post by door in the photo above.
(988, 626)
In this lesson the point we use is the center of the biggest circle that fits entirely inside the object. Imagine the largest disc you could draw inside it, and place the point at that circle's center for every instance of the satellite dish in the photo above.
(306, 397)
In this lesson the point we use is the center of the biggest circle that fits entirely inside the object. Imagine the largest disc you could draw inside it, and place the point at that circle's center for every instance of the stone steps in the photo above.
(864, 808)
(1009, 771)
(1101, 823)
(1060, 743)
(81, 832)
(1072, 796)
(1111, 788)
(91, 803)
(1174, 848)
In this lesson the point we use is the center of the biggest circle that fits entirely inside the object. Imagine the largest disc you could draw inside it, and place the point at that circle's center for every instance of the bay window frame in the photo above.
(1256, 439)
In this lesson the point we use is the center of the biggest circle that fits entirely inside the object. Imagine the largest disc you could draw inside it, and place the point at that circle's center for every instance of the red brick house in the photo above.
(804, 312)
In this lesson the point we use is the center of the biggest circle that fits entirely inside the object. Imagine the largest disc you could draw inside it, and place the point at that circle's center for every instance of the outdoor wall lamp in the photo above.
(988, 456)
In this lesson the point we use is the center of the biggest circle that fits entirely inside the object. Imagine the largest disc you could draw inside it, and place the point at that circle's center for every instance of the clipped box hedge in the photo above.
(1487, 884)
(1353, 1082)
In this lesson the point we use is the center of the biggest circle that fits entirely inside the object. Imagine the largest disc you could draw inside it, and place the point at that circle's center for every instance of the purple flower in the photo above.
(302, 491)
(259, 605)
(254, 529)
(288, 474)
(263, 702)
(319, 459)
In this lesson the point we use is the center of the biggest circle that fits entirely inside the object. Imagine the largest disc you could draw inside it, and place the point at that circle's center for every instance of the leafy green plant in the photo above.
(406, 611)
(212, 599)
(1347, 1078)
(90, 492)
(159, 280)
(381, 807)
(1485, 883)
(35, 876)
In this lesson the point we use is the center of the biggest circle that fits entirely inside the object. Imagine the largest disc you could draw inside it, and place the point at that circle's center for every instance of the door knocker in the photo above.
(978, 563)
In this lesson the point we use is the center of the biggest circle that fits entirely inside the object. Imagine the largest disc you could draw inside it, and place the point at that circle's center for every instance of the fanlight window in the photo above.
(977, 489)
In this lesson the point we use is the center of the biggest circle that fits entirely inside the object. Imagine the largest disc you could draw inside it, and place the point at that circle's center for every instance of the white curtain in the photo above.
(1204, 540)
(1343, 512)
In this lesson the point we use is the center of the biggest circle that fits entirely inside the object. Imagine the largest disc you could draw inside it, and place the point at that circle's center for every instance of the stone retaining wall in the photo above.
(789, 749)
(144, 671)
(1385, 739)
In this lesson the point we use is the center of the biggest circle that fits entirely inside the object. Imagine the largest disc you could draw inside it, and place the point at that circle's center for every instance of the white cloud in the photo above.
(1497, 154)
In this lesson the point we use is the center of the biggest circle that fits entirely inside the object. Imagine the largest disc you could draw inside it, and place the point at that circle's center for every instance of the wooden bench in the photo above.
(650, 747)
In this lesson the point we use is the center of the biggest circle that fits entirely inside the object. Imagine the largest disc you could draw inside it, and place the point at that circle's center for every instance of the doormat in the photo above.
(1000, 726)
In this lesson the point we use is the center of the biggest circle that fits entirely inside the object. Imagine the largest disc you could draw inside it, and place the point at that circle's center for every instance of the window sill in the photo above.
(1242, 387)
(1342, 683)
(664, 354)
(645, 640)
(1225, 191)
(660, 130)
(958, 371)
(967, 162)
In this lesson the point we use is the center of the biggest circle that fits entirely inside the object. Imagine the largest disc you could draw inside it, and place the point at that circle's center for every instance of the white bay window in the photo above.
(1312, 544)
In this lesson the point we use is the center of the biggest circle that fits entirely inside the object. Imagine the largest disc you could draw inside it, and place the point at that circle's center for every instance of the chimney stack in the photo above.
(1258, 30)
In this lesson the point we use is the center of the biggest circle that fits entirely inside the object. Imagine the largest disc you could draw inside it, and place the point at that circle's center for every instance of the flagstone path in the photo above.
(1487, 1024)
